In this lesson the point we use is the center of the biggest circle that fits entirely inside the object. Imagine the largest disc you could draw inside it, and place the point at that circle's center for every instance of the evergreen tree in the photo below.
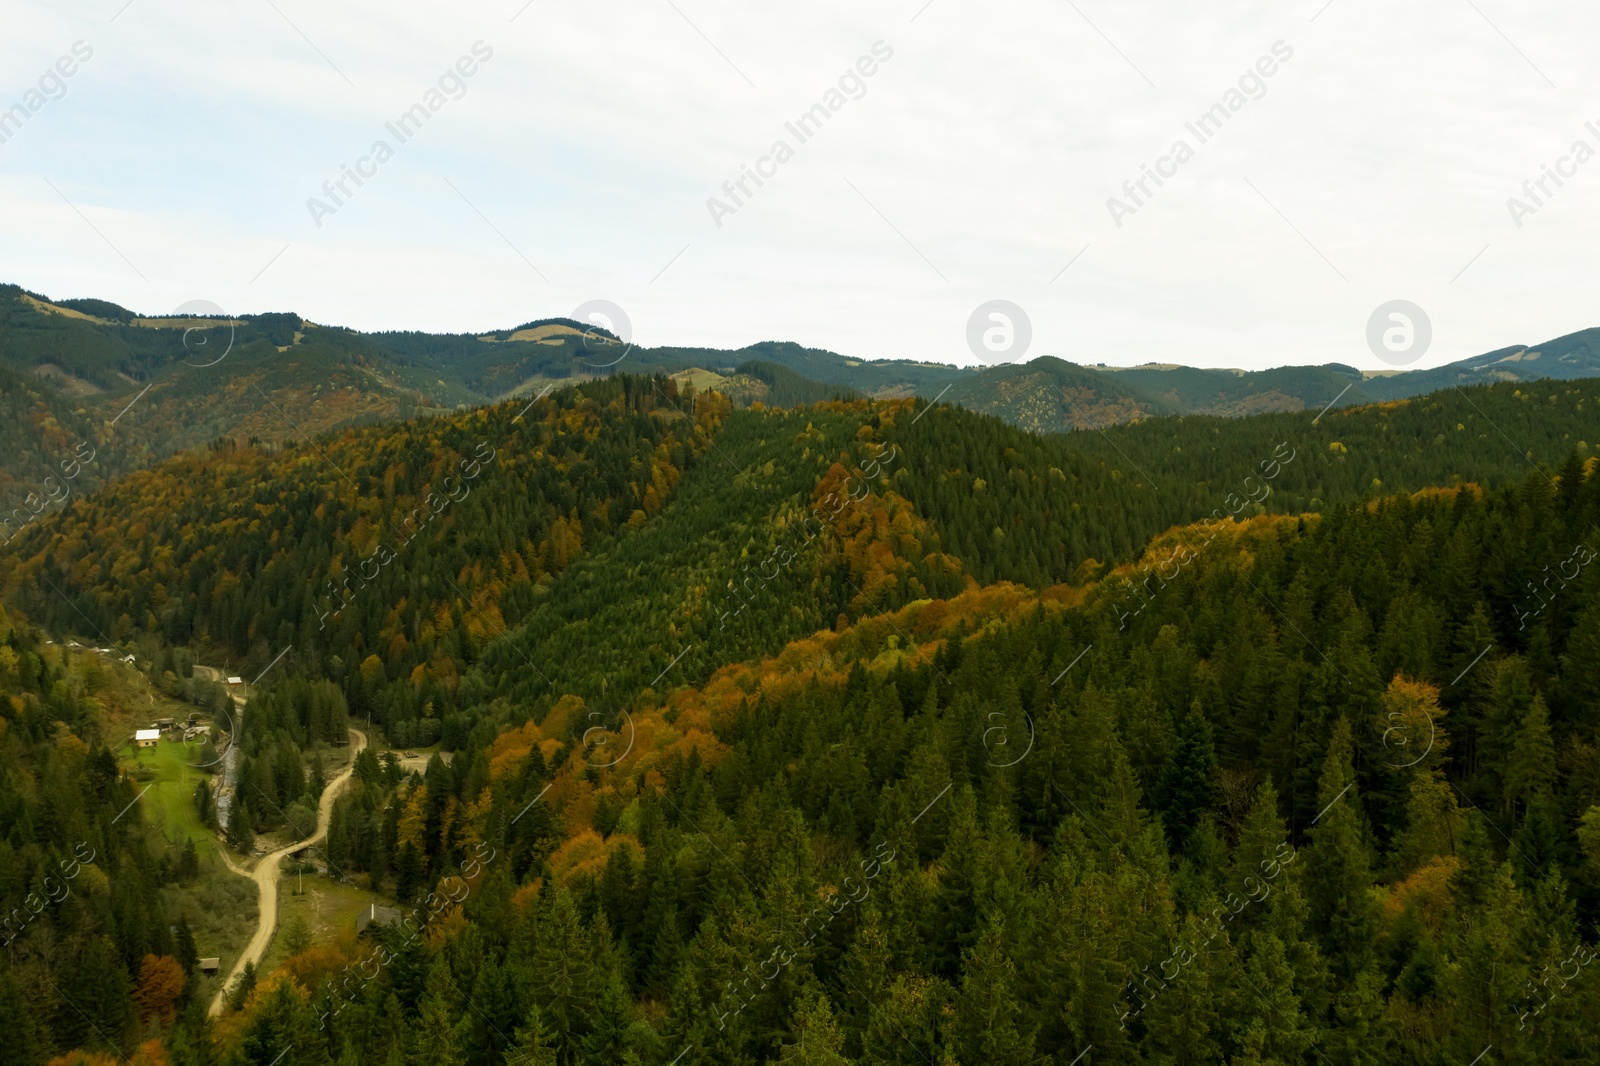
(408, 872)
(535, 1045)
(1530, 770)
(1189, 784)
(1338, 868)
(241, 835)
(188, 951)
(205, 806)
(814, 1038)
(990, 1026)
(25, 1044)
(436, 1041)
(564, 981)
(95, 1009)
(239, 994)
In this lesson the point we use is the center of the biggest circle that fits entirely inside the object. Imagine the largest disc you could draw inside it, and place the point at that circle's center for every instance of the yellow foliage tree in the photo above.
(161, 981)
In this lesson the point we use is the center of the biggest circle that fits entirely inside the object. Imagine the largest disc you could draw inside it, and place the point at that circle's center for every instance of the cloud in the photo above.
(1375, 168)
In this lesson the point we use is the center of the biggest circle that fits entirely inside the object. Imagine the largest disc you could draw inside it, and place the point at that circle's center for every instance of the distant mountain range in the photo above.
(142, 387)
(1051, 395)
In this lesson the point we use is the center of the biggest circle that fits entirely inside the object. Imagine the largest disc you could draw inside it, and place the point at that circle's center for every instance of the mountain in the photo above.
(1233, 393)
(89, 391)
(141, 388)
(96, 356)
(1048, 395)
(568, 538)
(856, 730)
(1576, 355)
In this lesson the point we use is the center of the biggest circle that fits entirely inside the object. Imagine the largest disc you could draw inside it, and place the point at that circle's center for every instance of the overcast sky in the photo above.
(975, 163)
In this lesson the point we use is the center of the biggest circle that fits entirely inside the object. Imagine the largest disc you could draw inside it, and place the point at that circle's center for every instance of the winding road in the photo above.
(265, 874)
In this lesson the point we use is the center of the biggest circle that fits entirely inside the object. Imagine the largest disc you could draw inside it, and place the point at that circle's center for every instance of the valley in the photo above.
(265, 874)
(652, 713)
(1084, 551)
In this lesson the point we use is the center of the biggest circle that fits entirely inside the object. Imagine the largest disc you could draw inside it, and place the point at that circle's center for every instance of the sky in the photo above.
(1358, 153)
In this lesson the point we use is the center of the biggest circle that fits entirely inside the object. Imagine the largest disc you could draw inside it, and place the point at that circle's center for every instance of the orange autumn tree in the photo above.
(149, 1053)
(880, 543)
(161, 981)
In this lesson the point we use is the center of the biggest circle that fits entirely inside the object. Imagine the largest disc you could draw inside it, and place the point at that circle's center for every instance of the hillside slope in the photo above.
(277, 377)
(883, 731)
(1035, 395)
(662, 543)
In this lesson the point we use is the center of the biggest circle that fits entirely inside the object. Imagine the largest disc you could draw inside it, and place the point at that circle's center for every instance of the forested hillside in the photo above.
(92, 956)
(873, 731)
(384, 555)
(1331, 795)
(90, 392)
(729, 573)
(1033, 509)
(77, 366)
(1051, 395)
(567, 549)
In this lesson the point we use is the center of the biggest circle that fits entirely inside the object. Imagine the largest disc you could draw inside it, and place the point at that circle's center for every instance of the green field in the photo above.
(219, 906)
(169, 803)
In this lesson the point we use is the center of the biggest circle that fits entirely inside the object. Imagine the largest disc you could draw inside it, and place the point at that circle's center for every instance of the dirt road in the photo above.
(265, 874)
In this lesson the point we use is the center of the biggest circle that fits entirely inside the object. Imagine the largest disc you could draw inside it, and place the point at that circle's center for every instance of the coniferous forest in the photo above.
(828, 731)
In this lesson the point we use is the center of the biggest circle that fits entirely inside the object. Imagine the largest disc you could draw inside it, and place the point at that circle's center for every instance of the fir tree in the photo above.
(1338, 867)
(1189, 784)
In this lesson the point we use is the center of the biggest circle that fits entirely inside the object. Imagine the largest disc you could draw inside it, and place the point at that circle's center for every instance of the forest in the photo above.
(848, 731)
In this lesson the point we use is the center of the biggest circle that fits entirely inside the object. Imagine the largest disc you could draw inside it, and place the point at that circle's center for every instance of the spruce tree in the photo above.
(436, 1040)
(1338, 866)
(1188, 786)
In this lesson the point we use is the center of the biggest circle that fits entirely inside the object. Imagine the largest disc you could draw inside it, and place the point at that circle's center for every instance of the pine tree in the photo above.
(188, 951)
(1580, 672)
(1183, 1019)
(436, 1040)
(565, 983)
(25, 1044)
(96, 1008)
(270, 1034)
(866, 967)
(205, 806)
(814, 1038)
(953, 925)
(1338, 868)
(535, 1045)
(1530, 770)
(989, 1022)
(242, 821)
(239, 994)
(1540, 843)
(1188, 786)
(1360, 1034)
(408, 872)
(606, 1039)
(665, 953)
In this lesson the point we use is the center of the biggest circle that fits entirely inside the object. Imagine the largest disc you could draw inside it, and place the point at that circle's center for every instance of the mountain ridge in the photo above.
(136, 388)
